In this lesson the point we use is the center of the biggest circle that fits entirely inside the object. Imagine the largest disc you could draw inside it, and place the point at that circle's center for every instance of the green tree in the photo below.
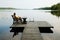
(56, 7)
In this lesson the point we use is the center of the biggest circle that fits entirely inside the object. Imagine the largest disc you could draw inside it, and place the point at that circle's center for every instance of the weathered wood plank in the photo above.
(39, 24)
(31, 32)
(18, 25)
(31, 29)
(44, 24)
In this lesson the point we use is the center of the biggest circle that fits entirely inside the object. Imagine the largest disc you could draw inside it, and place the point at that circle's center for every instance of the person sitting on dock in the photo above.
(16, 18)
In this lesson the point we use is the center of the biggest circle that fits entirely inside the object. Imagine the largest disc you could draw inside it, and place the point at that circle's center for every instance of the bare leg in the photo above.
(20, 19)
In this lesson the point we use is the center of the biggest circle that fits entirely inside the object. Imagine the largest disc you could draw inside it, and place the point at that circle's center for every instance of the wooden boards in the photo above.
(31, 29)
(31, 32)
(39, 24)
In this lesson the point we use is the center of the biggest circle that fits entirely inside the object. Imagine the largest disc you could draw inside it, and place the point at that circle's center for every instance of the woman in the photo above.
(16, 18)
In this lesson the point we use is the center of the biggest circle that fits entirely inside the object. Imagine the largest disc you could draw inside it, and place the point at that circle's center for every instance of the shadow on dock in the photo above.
(43, 26)
(45, 30)
(16, 30)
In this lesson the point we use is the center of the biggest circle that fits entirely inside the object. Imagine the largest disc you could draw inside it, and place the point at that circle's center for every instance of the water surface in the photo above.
(32, 15)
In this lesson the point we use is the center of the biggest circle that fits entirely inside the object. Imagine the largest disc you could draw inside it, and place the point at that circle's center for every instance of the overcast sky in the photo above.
(27, 4)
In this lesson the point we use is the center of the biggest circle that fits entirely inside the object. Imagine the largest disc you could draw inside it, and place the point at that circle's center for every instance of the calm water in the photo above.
(37, 15)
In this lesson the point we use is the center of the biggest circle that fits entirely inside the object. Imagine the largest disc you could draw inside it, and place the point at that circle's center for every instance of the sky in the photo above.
(28, 4)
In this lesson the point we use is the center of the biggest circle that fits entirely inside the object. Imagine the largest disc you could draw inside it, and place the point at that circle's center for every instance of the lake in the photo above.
(32, 15)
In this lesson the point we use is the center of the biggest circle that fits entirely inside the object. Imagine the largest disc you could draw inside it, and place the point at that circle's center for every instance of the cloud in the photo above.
(27, 3)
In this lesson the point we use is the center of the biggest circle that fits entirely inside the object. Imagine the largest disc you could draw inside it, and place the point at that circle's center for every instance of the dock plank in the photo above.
(44, 24)
(18, 25)
(39, 24)
(31, 32)
(31, 29)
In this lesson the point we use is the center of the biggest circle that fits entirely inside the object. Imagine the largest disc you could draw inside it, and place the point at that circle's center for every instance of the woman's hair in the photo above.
(14, 13)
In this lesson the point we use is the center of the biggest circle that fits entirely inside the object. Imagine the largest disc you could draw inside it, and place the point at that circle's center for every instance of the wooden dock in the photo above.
(31, 32)
(39, 24)
(32, 29)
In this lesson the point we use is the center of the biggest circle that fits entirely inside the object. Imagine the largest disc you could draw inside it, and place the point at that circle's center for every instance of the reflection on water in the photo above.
(56, 13)
(39, 15)
(16, 30)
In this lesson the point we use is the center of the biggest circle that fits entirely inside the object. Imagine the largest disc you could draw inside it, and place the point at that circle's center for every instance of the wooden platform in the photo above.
(31, 29)
(39, 24)
(31, 32)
